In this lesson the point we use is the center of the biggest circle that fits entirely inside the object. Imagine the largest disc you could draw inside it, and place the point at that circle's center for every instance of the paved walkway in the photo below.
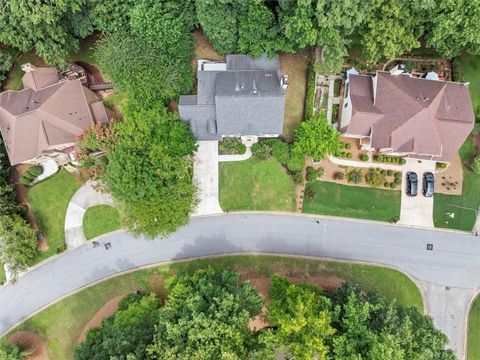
(417, 210)
(50, 167)
(449, 274)
(84, 198)
(205, 174)
(246, 156)
(364, 164)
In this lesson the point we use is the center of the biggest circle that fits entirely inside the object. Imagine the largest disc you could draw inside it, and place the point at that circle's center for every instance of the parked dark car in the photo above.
(412, 184)
(428, 184)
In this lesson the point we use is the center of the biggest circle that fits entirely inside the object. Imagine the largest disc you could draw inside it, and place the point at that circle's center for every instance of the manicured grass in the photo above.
(14, 77)
(49, 200)
(2, 274)
(61, 324)
(256, 185)
(296, 67)
(463, 219)
(473, 340)
(352, 201)
(471, 73)
(99, 220)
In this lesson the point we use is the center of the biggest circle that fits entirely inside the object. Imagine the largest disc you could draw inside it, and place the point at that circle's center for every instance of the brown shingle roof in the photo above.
(34, 121)
(413, 115)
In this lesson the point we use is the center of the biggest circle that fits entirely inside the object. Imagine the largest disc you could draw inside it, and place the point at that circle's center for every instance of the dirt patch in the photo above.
(259, 322)
(296, 67)
(108, 309)
(32, 342)
(203, 49)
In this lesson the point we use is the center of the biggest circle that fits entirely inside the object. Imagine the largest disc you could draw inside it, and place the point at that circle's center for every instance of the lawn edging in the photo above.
(224, 255)
(467, 322)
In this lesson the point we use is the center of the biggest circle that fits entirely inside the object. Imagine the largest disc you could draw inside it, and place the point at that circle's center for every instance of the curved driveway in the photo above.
(449, 275)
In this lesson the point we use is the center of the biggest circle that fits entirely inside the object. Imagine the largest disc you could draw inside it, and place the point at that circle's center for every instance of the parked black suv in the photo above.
(412, 184)
(428, 184)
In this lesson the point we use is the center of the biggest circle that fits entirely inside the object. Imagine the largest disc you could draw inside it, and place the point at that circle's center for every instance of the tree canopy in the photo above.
(315, 137)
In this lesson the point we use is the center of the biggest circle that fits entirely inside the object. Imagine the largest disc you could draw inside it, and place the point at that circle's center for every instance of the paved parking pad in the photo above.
(418, 210)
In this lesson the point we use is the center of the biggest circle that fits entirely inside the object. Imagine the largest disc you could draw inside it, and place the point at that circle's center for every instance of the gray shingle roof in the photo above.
(246, 99)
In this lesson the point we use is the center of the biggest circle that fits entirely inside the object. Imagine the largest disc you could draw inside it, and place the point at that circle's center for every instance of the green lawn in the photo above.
(352, 201)
(256, 185)
(463, 219)
(49, 200)
(473, 344)
(471, 73)
(62, 323)
(99, 220)
(14, 77)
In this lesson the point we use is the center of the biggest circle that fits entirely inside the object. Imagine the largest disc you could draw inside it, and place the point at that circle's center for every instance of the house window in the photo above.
(346, 104)
(347, 86)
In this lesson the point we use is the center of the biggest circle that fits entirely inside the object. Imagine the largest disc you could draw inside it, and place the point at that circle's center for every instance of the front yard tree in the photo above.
(18, 243)
(149, 170)
(206, 316)
(315, 137)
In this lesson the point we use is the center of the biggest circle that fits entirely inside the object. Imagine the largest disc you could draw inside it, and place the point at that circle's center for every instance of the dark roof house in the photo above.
(49, 112)
(414, 117)
(243, 96)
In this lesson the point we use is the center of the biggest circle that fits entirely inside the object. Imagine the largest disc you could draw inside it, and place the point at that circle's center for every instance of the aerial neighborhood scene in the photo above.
(239, 179)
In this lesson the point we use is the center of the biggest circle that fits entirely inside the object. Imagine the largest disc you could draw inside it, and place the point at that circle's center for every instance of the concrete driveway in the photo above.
(418, 210)
(205, 174)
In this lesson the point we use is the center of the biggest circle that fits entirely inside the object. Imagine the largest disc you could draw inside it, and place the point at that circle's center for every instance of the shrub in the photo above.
(375, 177)
(398, 174)
(384, 172)
(296, 163)
(338, 175)
(311, 174)
(61, 248)
(476, 164)
(348, 146)
(403, 161)
(28, 176)
(281, 152)
(355, 176)
(229, 145)
(441, 165)
(364, 157)
(349, 155)
(393, 185)
(297, 177)
(389, 172)
(379, 158)
(35, 170)
(241, 149)
(310, 97)
(320, 172)
(309, 192)
(398, 181)
(262, 150)
(386, 184)
(25, 181)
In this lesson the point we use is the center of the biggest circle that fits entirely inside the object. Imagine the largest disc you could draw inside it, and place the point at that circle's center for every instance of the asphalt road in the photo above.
(454, 261)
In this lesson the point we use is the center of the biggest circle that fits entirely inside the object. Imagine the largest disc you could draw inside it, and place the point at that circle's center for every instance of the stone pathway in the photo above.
(364, 164)
(50, 167)
(246, 156)
(84, 198)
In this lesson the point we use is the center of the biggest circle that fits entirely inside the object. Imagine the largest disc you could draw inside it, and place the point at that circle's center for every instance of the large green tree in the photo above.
(141, 70)
(206, 317)
(125, 335)
(11, 352)
(149, 170)
(315, 137)
(454, 27)
(302, 321)
(18, 243)
(392, 28)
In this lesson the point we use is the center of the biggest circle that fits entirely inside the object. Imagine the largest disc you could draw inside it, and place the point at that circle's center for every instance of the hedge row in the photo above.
(389, 159)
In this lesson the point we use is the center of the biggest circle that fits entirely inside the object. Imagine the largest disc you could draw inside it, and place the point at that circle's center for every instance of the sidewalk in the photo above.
(364, 164)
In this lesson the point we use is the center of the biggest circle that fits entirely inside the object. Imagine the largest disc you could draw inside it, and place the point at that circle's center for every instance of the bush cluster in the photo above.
(441, 165)
(343, 154)
(355, 176)
(313, 174)
(281, 151)
(31, 174)
(364, 157)
(389, 159)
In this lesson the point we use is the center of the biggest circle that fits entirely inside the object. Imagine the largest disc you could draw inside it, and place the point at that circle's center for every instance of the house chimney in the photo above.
(284, 82)
(28, 67)
(397, 70)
